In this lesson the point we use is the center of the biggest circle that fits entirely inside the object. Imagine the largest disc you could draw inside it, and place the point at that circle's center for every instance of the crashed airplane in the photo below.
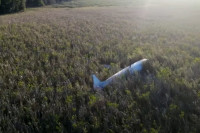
(136, 67)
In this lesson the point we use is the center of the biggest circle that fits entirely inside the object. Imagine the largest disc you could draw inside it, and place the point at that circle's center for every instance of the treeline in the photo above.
(35, 3)
(10, 6)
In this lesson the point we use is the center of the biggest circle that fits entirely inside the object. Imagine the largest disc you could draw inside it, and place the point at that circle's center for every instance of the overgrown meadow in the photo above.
(47, 56)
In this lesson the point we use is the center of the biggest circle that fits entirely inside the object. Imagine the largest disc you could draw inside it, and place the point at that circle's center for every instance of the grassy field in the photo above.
(47, 56)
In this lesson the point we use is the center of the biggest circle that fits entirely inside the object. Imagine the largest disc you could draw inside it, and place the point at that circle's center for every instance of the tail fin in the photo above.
(96, 82)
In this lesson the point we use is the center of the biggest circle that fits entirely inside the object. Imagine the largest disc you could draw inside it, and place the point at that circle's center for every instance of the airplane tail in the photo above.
(97, 84)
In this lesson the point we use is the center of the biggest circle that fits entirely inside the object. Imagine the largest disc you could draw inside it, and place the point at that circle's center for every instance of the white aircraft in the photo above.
(136, 67)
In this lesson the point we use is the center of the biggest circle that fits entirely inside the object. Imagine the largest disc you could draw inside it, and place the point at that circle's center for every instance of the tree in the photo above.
(9, 6)
(34, 3)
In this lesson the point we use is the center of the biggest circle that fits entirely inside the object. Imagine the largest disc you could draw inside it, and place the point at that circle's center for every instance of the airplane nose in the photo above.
(145, 64)
(144, 61)
(138, 66)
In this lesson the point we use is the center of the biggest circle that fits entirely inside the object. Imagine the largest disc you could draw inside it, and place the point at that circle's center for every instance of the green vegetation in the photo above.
(47, 56)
